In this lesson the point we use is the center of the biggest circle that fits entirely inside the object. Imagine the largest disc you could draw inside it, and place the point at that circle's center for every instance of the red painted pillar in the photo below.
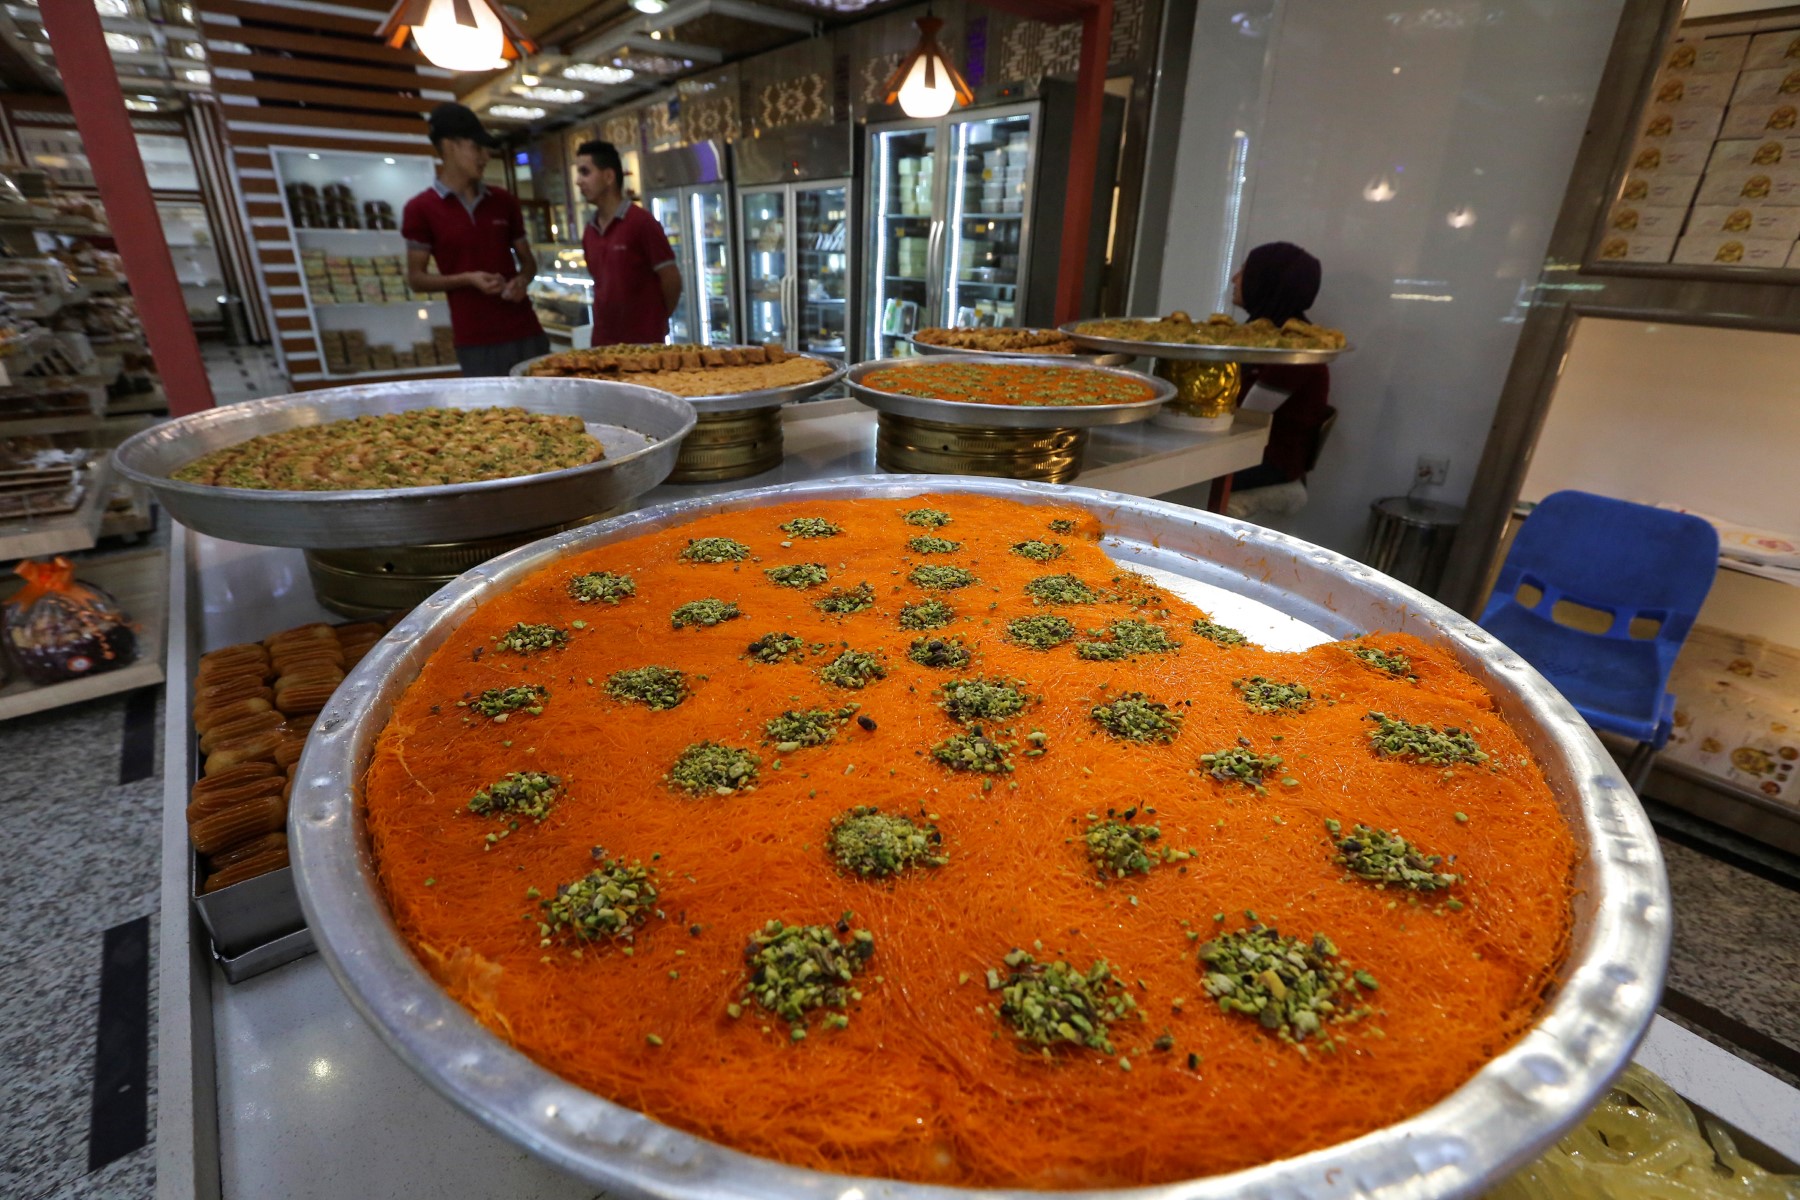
(1084, 157)
(93, 87)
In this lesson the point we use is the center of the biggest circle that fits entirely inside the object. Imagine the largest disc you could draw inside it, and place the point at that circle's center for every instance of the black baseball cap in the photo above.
(459, 121)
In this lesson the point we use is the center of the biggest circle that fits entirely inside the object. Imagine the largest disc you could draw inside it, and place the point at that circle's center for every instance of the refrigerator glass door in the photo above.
(708, 222)
(666, 208)
(821, 289)
(990, 180)
(763, 218)
(903, 201)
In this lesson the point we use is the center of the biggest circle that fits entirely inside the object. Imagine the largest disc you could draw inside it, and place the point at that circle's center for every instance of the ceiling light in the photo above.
(388, 161)
(1460, 218)
(122, 43)
(112, 8)
(652, 7)
(551, 95)
(195, 50)
(656, 35)
(530, 80)
(197, 76)
(487, 36)
(135, 104)
(925, 84)
(1379, 190)
(597, 73)
(515, 112)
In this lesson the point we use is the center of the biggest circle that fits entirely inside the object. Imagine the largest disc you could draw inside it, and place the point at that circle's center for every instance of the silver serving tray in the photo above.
(640, 427)
(1007, 416)
(1514, 1107)
(1193, 353)
(746, 401)
(1098, 360)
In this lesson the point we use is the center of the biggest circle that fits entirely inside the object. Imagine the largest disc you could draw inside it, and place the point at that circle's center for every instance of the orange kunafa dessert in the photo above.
(917, 839)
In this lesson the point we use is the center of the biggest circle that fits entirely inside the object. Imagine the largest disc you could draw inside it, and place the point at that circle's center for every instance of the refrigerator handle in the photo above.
(787, 308)
(934, 258)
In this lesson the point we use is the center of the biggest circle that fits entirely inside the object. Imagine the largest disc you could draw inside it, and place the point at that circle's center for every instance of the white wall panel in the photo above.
(1370, 124)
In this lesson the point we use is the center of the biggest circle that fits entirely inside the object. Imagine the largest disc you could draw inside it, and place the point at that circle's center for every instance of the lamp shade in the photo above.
(457, 35)
(925, 84)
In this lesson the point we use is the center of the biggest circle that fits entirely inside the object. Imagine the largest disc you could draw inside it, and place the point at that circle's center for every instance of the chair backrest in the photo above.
(1645, 570)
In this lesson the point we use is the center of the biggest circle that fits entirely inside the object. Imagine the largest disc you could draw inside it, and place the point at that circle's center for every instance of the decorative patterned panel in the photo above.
(622, 129)
(709, 107)
(872, 82)
(1030, 50)
(802, 101)
(662, 128)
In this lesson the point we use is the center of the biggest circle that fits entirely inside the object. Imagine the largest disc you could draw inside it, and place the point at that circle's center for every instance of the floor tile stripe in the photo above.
(118, 1122)
(137, 753)
(1748, 1037)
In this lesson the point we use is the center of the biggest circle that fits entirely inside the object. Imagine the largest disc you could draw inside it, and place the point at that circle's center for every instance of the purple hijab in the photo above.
(1280, 282)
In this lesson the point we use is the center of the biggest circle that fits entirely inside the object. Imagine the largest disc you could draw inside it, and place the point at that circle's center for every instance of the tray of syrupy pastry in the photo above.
(254, 704)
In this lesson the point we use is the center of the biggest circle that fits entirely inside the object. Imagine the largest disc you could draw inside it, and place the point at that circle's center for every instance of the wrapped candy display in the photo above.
(58, 628)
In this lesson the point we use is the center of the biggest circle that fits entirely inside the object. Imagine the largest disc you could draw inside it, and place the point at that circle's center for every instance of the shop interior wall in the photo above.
(1362, 132)
(1693, 415)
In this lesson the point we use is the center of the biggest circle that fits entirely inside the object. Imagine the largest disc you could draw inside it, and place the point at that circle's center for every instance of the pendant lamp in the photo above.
(457, 35)
(925, 84)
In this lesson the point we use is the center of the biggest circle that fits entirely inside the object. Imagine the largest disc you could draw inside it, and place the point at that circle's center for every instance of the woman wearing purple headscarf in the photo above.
(1280, 281)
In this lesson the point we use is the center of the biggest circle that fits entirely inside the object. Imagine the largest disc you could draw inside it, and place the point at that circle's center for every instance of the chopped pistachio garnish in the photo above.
(715, 550)
(519, 793)
(806, 727)
(941, 653)
(612, 901)
(1054, 1004)
(1139, 591)
(1040, 633)
(974, 751)
(1391, 661)
(810, 527)
(1062, 525)
(1060, 589)
(499, 703)
(1135, 717)
(656, 688)
(524, 639)
(930, 518)
(796, 969)
(1382, 857)
(1224, 635)
(1240, 764)
(1126, 639)
(941, 579)
(704, 612)
(966, 700)
(797, 575)
(1292, 987)
(773, 647)
(1119, 848)
(927, 614)
(926, 544)
(713, 767)
(846, 600)
(1038, 551)
(1394, 738)
(1262, 695)
(867, 842)
(603, 586)
(853, 669)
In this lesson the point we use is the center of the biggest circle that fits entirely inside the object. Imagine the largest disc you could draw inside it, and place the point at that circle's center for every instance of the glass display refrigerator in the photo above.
(796, 264)
(668, 209)
(688, 191)
(950, 206)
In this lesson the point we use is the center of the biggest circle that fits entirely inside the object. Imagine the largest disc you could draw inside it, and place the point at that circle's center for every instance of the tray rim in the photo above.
(1603, 1002)
(1005, 416)
(1189, 352)
(730, 401)
(1092, 358)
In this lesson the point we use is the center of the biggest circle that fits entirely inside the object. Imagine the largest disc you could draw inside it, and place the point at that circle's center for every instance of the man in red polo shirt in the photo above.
(477, 235)
(637, 283)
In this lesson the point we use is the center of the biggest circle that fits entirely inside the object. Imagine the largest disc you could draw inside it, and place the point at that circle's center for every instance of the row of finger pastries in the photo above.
(253, 707)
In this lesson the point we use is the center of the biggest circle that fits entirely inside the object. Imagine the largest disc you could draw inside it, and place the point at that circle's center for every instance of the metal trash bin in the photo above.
(1410, 539)
(234, 319)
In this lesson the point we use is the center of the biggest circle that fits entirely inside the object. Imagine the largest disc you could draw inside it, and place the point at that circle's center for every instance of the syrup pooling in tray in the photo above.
(1021, 874)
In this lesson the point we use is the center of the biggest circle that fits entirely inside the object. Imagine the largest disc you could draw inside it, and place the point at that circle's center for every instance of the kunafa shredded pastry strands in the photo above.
(1104, 917)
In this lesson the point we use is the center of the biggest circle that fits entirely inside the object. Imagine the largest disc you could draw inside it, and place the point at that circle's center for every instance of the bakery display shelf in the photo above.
(325, 306)
(380, 373)
(139, 517)
(154, 401)
(61, 533)
(101, 285)
(40, 307)
(31, 353)
(278, 1086)
(138, 580)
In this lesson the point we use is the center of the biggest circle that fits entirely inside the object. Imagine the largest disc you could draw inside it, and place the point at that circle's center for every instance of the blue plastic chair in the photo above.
(1646, 568)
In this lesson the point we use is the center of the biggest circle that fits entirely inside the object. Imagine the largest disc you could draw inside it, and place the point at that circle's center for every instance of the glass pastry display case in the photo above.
(563, 291)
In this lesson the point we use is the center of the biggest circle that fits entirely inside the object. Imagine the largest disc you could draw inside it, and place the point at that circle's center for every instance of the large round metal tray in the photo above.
(641, 429)
(1089, 357)
(1007, 416)
(1282, 590)
(1194, 353)
(743, 401)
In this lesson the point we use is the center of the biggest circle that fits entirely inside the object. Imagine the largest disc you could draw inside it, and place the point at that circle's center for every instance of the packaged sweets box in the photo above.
(1673, 157)
(1711, 250)
(1760, 120)
(1779, 85)
(1709, 56)
(1770, 50)
(1766, 221)
(1753, 186)
(1633, 219)
(1636, 248)
(1749, 154)
(1685, 123)
(1713, 91)
(1659, 191)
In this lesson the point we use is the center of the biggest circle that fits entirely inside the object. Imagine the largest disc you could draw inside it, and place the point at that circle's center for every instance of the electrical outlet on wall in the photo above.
(1432, 469)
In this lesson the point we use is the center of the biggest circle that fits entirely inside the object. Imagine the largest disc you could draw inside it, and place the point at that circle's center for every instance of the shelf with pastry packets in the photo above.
(253, 705)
